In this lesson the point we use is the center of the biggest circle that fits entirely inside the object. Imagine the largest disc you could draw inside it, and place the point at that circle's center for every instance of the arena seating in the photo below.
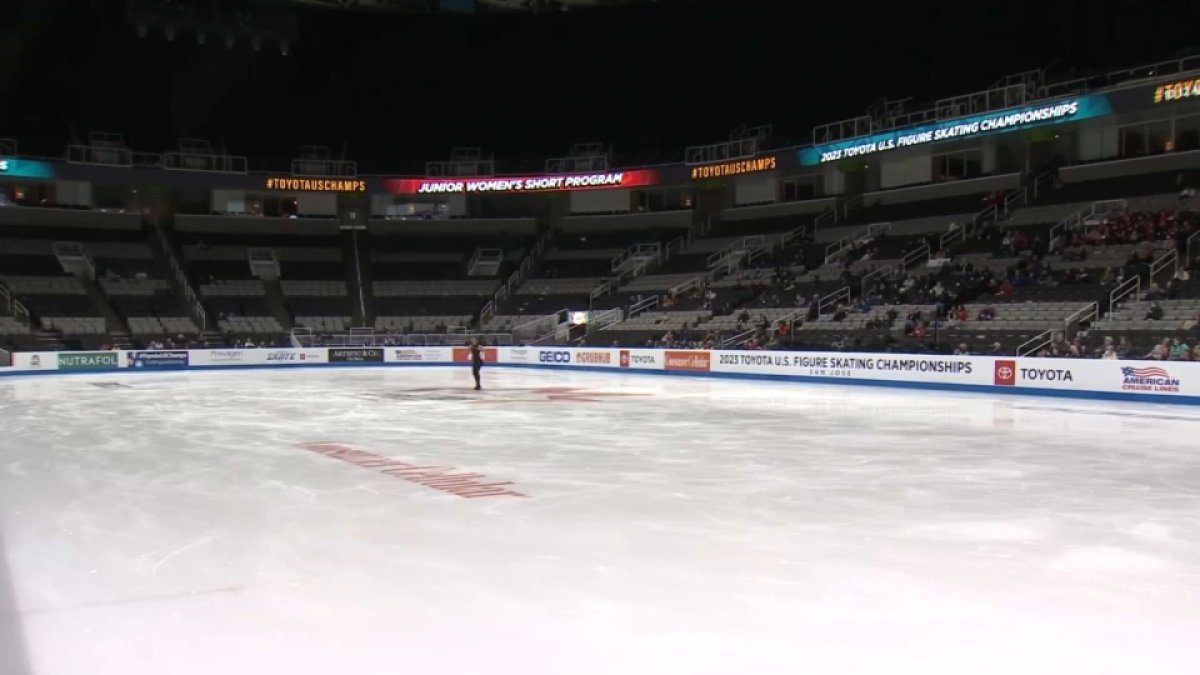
(908, 268)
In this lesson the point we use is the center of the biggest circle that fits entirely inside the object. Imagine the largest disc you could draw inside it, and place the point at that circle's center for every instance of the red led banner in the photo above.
(484, 185)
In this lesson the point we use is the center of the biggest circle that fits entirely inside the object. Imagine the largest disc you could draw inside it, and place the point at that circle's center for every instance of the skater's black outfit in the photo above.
(476, 363)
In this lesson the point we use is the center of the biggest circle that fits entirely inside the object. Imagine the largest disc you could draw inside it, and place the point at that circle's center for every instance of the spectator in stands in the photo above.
(1110, 352)
(1124, 347)
(1180, 351)
(962, 350)
(996, 350)
(987, 313)
(1155, 313)
(1160, 352)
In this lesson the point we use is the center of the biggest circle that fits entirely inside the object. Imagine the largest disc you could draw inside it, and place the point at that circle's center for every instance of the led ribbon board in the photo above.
(292, 184)
(1013, 119)
(517, 184)
(734, 168)
(25, 168)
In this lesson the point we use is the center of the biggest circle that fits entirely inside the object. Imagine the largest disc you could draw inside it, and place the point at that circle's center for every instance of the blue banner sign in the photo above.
(1001, 121)
(157, 359)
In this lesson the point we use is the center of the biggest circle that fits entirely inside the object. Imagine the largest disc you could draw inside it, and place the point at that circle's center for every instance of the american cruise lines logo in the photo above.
(1149, 378)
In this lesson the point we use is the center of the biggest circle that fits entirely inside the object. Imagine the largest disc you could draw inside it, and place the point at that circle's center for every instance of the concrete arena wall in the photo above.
(1146, 381)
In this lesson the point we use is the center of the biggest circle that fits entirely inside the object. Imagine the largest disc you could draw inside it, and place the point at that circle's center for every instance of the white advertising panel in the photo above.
(258, 357)
(640, 359)
(1150, 378)
(843, 366)
(34, 361)
(1116, 379)
(647, 359)
(412, 355)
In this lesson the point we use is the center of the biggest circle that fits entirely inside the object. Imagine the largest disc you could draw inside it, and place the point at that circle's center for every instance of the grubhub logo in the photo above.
(554, 357)
(593, 358)
(1006, 372)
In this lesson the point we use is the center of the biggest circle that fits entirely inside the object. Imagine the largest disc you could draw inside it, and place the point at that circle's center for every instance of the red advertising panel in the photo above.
(463, 354)
(515, 184)
(688, 360)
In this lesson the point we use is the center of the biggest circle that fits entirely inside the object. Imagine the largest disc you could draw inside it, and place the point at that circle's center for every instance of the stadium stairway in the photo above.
(278, 304)
(114, 323)
(355, 252)
(163, 265)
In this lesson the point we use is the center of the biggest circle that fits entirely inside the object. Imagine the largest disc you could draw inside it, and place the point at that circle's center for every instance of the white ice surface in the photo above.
(171, 526)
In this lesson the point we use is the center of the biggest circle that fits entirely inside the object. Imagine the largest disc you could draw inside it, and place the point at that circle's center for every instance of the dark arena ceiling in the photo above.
(460, 5)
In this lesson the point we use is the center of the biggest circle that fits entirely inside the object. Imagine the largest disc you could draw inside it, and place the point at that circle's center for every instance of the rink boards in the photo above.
(1168, 382)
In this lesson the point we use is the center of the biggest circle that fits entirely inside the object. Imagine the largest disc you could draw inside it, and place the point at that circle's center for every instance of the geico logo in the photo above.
(555, 357)
(281, 356)
(1047, 374)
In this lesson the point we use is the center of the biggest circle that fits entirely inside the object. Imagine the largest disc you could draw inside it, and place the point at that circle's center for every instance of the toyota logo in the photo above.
(1005, 372)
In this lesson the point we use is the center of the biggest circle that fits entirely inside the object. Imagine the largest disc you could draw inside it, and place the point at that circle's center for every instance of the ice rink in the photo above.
(250, 523)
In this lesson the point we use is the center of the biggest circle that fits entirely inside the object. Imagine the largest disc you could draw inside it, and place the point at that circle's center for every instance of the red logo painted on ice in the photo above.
(437, 477)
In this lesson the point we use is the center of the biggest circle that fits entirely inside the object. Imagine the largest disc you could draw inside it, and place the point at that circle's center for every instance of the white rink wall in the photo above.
(1154, 381)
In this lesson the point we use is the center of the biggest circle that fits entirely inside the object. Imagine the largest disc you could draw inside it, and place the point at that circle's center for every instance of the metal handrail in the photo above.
(1130, 286)
(745, 245)
(1038, 341)
(694, 282)
(820, 220)
(739, 339)
(189, 293)
(871, 275)
(602, 289)
(600, 320)
(1085, 84)
(1071, 220)
(791, 235)
(868, 233)
(949, 236)
(916, 255)
(1090, 311)
(642, 306)
(1039, 181)
(213, 163)
(1168, 259)
(1085, 215)
(840, 295)
(676, 246)
(846, 204)
(989, 214)
(1020, 194)
(1191, 241)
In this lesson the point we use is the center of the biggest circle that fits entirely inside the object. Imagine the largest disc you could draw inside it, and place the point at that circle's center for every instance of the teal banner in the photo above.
(1001, 121)
(25, 168)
